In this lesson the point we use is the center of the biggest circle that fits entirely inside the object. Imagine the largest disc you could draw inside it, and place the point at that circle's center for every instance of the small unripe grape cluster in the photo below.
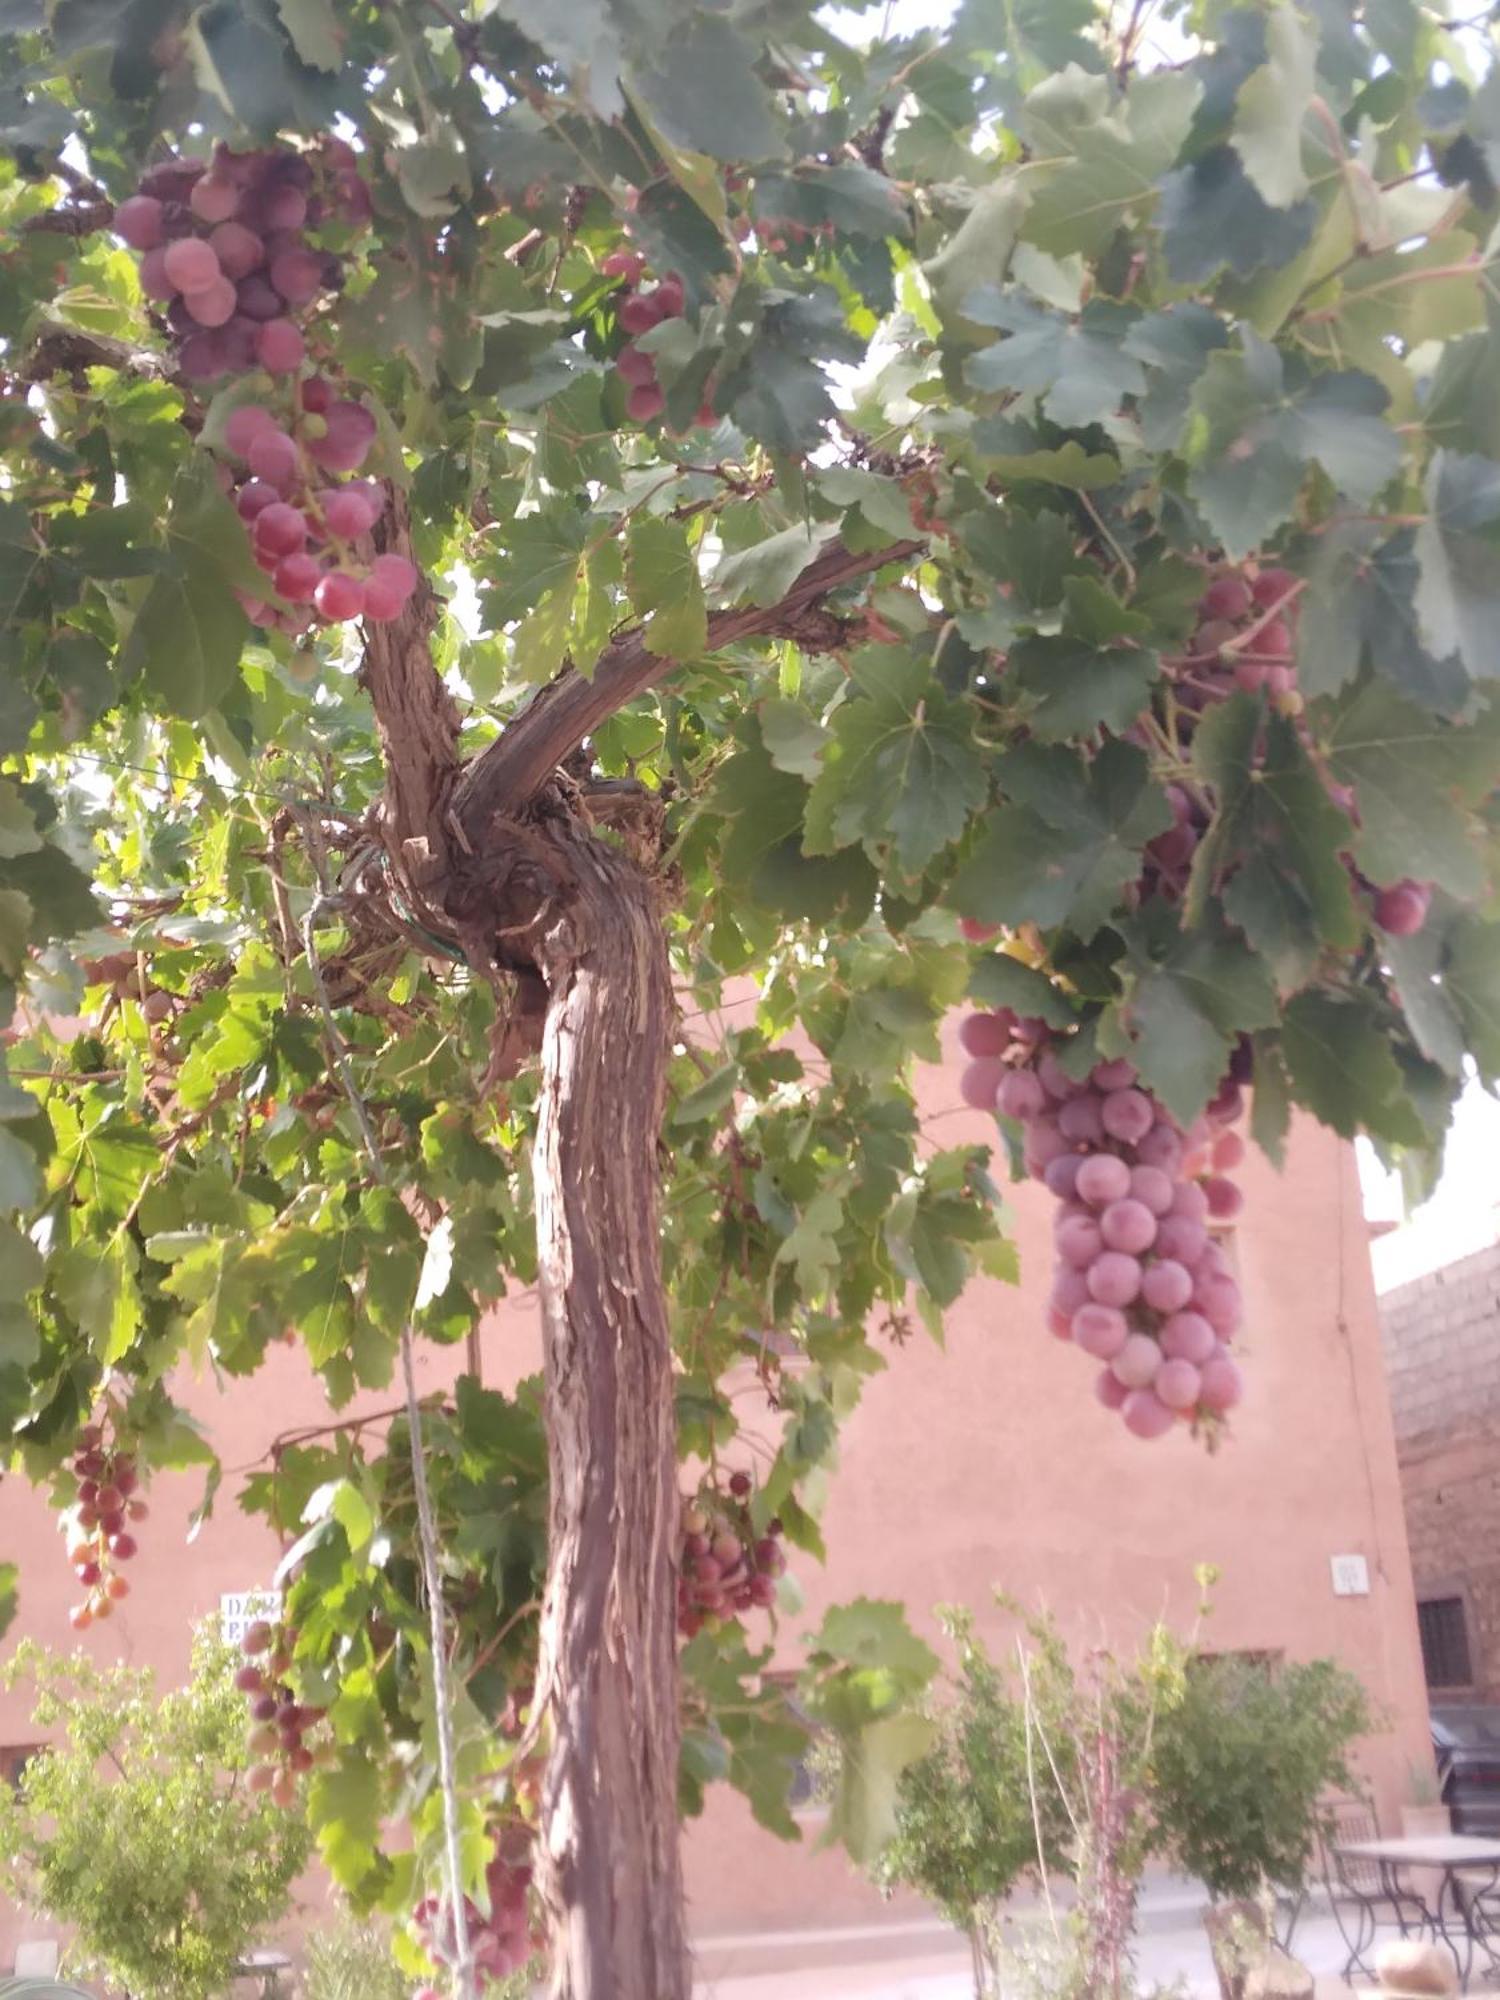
(1139, 1284)
(224, 244)
(100, 1526)
(726, 1566)
(501, 1943)
(279, 1723)
(637, 312)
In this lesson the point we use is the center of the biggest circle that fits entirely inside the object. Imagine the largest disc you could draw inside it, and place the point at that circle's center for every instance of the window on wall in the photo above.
(14, 1757)
(1445, 1642)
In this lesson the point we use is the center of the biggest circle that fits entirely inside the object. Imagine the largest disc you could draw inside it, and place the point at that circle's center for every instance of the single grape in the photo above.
(250, 1680)
(1138, 1361)
(347, 512)
(1078, 1239)
(986, 1034)
(381, 602)
(285, 208)
(214, 199)
(639, 313)
(1146, 1415)
(297, 577)
(670, 298)
(396, 571)
(297, 274)
(1054, 1079)
(280, 529)
(258, 297)
(1127, 1115)
(202, 357)
(645, 403)
(1181, 1239)
(243, 426)
(339, 596)
(1109, 1389)
(1178, 1384)
(1128, 1225)
(1271, 586)
(279, 347)
(635, 367)
(1401, 910)
(1211, 636)
(977, 931)
(1161, 1147)
(1114, 1278)
(273, 457)
(1223, 1385)
(979, 1081)
(191, 265)
(1061, 1175)
(238, 249)
(1190, 1202)
(88, 1572)
(1070, 1289)
(1103, 1178)
(1044, 1144)
(1251, 675)
(1218, 1298)
(1226, 597)
(138, 222)
(345, 445)
(1225, 1106)
(1187, 1336)
(1080, 1119)
(81, 1617)
(1100, 1330)
(254, 497)
(1225, 1200)
(1108, 1076)
(1152, 1187)
(1166, 1285)
(257, 1639)
(1020, 1095)
(627, 264)
(1228, 1152)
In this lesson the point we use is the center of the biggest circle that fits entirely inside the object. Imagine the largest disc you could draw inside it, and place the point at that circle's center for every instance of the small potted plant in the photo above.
(1240, 1770)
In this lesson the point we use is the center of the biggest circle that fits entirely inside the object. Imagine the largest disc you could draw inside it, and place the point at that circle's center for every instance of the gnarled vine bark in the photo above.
(519, 873)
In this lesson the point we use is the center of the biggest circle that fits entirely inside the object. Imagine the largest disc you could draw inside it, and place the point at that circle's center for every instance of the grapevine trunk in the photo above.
(609, 1860)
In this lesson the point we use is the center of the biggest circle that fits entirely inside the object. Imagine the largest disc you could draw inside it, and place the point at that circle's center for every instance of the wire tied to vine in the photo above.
(432, 1577)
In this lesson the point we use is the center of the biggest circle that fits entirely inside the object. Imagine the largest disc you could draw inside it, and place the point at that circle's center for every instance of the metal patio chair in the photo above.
(1366, 1899)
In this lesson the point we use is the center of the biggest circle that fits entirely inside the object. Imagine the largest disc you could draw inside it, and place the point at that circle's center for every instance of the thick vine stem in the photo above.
(610, 1868)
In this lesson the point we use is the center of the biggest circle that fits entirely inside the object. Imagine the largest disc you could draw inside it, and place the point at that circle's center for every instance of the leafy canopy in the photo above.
(1019, 328)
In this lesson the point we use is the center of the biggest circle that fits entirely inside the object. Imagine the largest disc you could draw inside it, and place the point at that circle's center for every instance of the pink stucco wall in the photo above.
(983, 1464)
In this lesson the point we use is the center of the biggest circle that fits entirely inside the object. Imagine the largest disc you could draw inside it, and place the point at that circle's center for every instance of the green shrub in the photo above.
(136, 1827)
(347, 1960)
(1242, 1763)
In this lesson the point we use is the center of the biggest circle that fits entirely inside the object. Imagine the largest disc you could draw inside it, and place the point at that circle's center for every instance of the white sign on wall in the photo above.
(1351, 1576)
(240, 1609)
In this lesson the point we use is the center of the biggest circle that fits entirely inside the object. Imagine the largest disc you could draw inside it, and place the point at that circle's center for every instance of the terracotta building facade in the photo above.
(1442, 1342)
(983, 1464)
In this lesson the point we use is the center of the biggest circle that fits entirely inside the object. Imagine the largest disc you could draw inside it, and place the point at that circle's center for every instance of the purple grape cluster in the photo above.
(637, 312)
(725, 1566)
(1139, 1283)
(225, 246)
(279, 1723)
(501, 1943)
(100, 1524)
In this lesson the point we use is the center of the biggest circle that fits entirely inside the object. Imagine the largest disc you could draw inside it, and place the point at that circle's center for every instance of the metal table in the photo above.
(1456, 1918)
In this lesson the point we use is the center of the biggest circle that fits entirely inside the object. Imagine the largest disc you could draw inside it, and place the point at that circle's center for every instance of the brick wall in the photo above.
(1441, 1335)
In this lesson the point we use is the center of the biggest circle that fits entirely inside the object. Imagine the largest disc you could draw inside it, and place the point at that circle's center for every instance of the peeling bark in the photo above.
(610, 1867)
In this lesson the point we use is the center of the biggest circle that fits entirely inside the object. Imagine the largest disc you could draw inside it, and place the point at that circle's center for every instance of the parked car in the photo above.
(1467, 1743)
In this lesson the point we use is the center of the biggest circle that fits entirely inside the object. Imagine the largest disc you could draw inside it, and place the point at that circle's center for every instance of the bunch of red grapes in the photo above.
(1245, 638)
(1139, 1284)
(501, 1943)
(225, 247)
(99, 1526)
(726, 1566)
(279, 1723)
(638, 311)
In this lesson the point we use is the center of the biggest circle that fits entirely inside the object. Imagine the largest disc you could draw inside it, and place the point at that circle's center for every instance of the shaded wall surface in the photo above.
(983, 1464)
(1442, 1344)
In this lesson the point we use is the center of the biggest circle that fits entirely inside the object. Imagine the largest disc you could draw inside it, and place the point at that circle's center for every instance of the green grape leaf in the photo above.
(1458, 597)
(703, 92)
(662, 574)
(1341, 1067)
(1066, 843)
(1185, 1010)
(1412, 774)
(1273, 107)
(1080, 371)
(1212, 215)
